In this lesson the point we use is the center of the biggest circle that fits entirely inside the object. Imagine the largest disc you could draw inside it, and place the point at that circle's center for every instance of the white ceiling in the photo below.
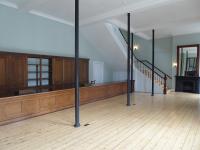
(167, 17)
(180, 17)
(64, 9)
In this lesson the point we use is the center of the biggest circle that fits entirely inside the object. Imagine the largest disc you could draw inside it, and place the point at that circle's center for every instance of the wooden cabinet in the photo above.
(63, 70)
(30, 106)
(4, 87)
(84, 70)
(114, 90)
(69, 71)
(12, 109)
(21, 107)
(13, 72)
(3, 71)
(57, 71)
(18, 71)
(64, 100)
(47, 103)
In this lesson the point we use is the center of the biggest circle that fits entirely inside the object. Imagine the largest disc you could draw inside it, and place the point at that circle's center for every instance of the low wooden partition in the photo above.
(17, 108)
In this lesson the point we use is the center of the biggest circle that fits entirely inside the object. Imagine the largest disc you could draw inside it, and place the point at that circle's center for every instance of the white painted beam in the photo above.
(50, 17)
(140, 6)
(172, 24)
(8, 4)
(30, 4)
(124, 26)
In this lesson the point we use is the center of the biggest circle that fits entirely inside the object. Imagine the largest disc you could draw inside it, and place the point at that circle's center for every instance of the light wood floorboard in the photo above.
(170, 122)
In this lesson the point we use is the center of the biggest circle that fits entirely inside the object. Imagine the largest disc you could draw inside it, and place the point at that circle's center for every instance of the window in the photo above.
(38, 72)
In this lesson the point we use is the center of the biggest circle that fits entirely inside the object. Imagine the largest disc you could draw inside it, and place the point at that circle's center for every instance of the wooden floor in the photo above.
(159, 123)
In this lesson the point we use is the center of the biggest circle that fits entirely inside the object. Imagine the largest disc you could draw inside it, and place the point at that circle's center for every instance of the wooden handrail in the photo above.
(163, 78)
(150, 69)
(139, 59)
(158, 69)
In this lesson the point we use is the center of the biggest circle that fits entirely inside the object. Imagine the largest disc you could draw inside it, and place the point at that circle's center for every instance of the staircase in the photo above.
(145, 67)
(160, 78)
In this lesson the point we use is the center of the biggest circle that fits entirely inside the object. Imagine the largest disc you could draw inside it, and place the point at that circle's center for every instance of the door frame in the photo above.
(186, 46)
(99, 62)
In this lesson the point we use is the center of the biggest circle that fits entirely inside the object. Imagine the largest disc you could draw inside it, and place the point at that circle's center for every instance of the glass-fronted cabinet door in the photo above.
(38, 72)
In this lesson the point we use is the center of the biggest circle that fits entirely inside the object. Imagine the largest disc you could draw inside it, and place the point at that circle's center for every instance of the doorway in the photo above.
(98, 71)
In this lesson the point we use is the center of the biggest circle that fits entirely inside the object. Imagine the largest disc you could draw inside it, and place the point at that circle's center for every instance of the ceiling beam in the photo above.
(172, 24)
(50, 17)
(136, 7)
(121, 25)
(8, 4)
(29, 5)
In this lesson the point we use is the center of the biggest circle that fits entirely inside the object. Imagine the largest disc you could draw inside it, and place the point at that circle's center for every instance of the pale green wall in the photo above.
(166, 51)
(163, 53)
(23, 32)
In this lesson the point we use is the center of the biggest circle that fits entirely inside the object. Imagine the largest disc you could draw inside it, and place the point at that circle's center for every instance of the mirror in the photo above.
(188, 60)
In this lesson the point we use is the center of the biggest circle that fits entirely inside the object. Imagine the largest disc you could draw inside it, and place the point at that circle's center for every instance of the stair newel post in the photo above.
(165, 85)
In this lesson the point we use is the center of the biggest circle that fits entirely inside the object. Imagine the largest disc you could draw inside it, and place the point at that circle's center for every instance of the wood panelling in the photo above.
(114, 89)
(18, 71)
(30, 107)
(63, 71)
(2, 115)
(57, 71)
(84, 69)
(64, 99)
(125, 88)
(47, 103)
(68, 71)
(13, 73)
(2, 71)
(26, 106)
(12, 109)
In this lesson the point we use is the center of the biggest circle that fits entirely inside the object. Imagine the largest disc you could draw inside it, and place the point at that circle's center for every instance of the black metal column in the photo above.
(132, 41)
(153, 60)
(128, 63)
(77, 94)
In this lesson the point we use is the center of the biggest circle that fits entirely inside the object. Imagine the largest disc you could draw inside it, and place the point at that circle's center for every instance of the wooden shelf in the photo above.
(33, 64)
(38, 64)
(36, 79)
(39, 71)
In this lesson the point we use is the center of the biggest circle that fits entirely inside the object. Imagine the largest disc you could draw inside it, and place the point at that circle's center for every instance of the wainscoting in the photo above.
(26, 106)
